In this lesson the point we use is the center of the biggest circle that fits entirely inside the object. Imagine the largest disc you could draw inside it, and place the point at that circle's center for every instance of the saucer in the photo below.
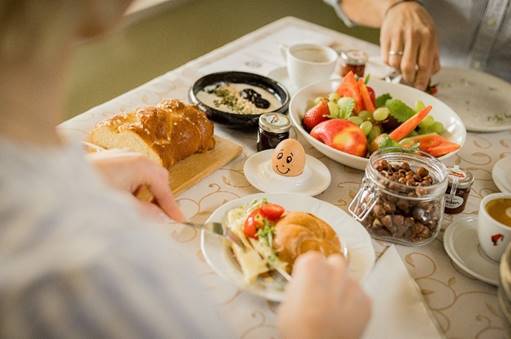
(314, 180)
(501, 174)
(280, 74)
(462, 246)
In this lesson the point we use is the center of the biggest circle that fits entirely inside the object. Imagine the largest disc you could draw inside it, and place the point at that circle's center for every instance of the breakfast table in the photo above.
(462, 306)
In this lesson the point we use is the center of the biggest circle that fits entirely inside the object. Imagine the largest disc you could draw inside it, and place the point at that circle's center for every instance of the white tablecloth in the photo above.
(463, 307)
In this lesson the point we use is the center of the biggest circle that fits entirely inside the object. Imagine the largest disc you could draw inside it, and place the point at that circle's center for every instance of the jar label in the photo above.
(453, 201)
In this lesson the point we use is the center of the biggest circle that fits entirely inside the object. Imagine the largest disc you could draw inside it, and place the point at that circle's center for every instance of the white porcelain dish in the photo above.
(481, 99)
(351, 234)
(501, 174)
(314, 180)
(455, 129)
(462, 246)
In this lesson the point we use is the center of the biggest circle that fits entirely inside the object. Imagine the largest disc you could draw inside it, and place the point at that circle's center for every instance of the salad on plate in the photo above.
(355, 120)
(274, 238)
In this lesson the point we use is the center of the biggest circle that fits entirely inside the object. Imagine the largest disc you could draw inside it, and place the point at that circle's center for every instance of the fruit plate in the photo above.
(454, 128)
(351, 233)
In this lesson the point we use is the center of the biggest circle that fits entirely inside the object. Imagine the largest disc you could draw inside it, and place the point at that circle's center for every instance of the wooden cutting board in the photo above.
(188, 172)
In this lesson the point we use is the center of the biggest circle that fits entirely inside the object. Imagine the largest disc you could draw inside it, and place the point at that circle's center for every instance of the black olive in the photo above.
(262, 103)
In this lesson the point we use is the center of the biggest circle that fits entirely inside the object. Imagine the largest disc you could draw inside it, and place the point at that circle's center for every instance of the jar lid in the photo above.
(354, 57)
(461, 177)
(274, 122)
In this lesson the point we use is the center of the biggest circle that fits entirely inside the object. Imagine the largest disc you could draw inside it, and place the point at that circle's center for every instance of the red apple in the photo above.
(342, 135)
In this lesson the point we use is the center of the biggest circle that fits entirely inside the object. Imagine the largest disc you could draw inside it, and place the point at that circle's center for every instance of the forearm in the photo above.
(366, 12)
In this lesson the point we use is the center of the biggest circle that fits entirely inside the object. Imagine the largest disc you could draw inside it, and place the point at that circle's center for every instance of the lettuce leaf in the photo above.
(345, 106)
(399, 110)
(382, 99)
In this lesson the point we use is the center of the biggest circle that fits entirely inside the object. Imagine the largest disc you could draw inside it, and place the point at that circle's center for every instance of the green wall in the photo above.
(149, 44)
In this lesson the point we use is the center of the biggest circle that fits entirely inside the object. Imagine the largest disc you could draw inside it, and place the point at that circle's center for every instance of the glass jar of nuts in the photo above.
(401, 198)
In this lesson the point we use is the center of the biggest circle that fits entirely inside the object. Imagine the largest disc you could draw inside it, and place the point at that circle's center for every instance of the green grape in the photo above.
(423, 130)
(375, 132)
(310, 103)
(364, 115)
(437, 127)
(333, 96)
(366, 126)
(427, 122)
(356, 120)
(381, 114)
(317, 100)
(419, 105)
(333, 108)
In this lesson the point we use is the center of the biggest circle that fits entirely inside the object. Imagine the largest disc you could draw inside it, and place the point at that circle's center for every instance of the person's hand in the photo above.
(130, 172)
(322, 301)
(409, 43)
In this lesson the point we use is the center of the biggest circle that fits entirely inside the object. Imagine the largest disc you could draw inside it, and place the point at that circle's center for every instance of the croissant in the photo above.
(298, 232)
(167, 133)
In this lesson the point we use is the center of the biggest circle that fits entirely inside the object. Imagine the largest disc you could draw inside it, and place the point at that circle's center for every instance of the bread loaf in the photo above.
(298, 232)
(166, 133)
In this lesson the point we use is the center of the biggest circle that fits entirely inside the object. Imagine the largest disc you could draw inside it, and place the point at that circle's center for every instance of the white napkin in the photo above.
(398, 307)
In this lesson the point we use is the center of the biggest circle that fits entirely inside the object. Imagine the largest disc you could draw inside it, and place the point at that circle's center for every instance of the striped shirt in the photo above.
(474, 33)
(77, 261)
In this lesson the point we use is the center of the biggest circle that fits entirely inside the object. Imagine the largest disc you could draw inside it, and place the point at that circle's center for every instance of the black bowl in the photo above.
(234, 119)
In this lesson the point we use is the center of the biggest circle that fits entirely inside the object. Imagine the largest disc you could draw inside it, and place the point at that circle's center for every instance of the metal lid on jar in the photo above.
(274, 122)
(462, 178)
(354, 57)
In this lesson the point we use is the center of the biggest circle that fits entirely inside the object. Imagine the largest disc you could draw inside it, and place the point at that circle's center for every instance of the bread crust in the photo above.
(166, 133)
(298, 232)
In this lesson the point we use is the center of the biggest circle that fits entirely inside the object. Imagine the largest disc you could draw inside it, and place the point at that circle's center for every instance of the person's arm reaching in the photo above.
(408, 38)
(128, 172)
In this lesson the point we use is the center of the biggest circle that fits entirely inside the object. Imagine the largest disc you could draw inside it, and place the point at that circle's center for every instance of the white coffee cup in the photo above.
(309, 63)
(493, 235)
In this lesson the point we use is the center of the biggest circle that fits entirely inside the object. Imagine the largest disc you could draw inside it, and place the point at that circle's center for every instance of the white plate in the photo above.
(462, 245)
(351, 233)
(455, 130)
(501, 174)
(477, 97)
(315, 178)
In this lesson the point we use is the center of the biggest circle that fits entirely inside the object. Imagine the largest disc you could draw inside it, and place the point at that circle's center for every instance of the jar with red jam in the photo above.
(273, 128)
(355, 61)
(458, 189)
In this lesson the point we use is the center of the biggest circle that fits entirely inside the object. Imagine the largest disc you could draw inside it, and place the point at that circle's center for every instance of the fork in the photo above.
(218, 229)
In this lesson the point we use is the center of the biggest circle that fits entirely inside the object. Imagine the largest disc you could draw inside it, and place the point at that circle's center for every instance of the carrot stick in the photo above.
(442, 149)
(409, 125)
(425, 140)
(366, 98)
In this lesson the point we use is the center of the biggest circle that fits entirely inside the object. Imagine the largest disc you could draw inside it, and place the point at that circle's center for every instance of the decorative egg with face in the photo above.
(288, 158)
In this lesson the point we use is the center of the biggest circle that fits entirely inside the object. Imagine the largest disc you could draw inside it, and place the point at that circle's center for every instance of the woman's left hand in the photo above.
(129, 172)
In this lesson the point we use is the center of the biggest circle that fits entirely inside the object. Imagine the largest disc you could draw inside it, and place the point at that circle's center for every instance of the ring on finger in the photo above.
(393, 53)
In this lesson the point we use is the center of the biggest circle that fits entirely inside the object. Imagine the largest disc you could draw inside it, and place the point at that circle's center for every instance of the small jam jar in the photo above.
(273, 128)
(353, 60)
(458, 189)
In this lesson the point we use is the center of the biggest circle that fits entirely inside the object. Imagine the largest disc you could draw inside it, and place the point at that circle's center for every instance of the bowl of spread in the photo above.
(238, 99)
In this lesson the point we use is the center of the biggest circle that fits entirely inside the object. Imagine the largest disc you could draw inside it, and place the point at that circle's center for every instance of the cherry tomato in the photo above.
(254, 221)
(272, 211)
(250, 230)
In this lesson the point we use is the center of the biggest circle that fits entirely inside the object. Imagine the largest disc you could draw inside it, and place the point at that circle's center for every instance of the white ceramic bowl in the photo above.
(455, 129)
